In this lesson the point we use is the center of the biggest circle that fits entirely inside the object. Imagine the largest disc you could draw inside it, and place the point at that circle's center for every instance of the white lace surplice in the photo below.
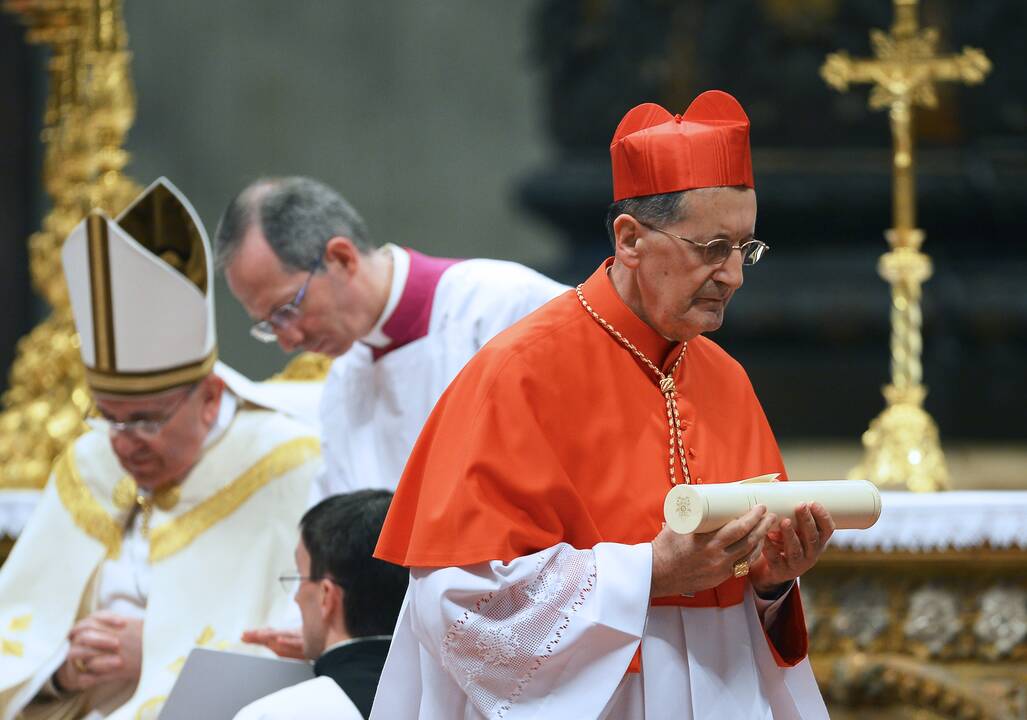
(551, 634)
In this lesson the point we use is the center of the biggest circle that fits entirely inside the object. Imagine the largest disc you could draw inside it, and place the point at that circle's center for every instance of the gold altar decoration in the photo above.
(305, 367)
(901, 446)
(90, 107)
(919, 635)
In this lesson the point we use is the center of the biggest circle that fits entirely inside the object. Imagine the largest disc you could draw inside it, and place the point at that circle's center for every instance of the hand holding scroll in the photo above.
(793, 548)
(809, 513)
(686, 564)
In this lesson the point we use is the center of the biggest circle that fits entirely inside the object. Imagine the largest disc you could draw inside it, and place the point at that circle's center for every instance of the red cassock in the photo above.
(554, 432)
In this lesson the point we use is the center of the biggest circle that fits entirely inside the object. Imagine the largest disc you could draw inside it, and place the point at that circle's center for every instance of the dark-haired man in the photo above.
(349, 602)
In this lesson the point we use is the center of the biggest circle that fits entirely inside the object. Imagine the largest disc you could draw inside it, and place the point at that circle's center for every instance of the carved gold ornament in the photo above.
(862, 613)
(90, 107)
(933, 619)
(1002, 621)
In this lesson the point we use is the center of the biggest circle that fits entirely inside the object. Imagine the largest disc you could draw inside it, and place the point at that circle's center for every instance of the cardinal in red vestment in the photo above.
(543, 583)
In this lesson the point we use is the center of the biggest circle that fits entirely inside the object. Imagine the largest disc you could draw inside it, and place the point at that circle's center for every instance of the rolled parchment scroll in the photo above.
(853, 504)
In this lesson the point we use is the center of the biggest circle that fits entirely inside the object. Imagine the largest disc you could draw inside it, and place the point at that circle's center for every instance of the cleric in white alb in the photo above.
(400, 323)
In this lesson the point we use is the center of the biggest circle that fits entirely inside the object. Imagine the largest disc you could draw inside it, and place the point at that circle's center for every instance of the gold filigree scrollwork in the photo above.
(1002, 621)
(927, 633)
(882, 680)
(90, 108)
(933, 619)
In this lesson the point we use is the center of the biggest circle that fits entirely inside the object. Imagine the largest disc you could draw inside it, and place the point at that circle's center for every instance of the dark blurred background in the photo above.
(482, 129)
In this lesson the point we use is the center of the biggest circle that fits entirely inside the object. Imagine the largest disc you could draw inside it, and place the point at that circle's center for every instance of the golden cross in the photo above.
(902, 445)
(904, 71)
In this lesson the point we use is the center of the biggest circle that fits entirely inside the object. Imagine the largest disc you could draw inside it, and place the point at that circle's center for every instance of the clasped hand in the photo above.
(104, 647)
(777, 551)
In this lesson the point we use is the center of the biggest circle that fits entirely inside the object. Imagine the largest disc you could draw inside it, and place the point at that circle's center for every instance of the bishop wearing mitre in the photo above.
(165, 526)
(543, 584)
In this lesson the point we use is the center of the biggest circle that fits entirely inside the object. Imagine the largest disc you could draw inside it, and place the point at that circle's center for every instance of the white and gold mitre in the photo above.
(142, 293)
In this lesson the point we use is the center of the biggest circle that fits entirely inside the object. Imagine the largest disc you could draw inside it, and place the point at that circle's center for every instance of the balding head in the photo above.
(297, 216)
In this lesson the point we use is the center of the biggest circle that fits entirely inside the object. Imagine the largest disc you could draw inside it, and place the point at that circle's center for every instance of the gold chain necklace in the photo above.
(667, 387)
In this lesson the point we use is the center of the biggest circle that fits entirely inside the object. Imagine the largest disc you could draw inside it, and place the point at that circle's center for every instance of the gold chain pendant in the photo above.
(126, 494)
(667, 387)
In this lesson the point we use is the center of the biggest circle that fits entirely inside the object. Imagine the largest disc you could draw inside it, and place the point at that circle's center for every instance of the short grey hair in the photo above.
(297, 216)
(664, 209)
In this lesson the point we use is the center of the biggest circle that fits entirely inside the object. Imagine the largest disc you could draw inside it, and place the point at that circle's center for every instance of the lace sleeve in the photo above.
(507, 634)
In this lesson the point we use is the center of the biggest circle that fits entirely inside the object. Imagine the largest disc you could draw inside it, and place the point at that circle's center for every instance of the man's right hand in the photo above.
(95, 654)
(283, 643)
(684, 564)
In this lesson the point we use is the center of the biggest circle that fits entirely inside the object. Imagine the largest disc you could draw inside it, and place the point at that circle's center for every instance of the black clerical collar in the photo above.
(356, 665)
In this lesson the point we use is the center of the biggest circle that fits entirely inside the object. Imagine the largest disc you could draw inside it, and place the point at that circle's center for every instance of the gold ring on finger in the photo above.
(740, 568)
(80, 665)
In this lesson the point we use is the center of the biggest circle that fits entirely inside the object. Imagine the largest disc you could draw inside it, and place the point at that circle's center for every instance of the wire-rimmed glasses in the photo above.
(282, 316)
(143, 427)
(716, 252)
(290, 582)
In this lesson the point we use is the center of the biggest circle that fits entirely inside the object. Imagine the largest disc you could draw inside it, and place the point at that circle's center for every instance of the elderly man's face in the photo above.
(678, 294)
(333, 313)
(158, 460)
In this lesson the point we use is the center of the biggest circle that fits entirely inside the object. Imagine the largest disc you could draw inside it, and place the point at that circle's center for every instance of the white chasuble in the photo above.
(549, 635)
(214, 558)
(374, 405)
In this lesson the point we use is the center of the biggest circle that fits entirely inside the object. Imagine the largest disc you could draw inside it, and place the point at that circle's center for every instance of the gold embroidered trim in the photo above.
(84, 509)
(126, 496)
(206, 636)
(20, 623)
(205, 640)
(124, 493)
(143, 383)
(100, 284)
(150, 710)
(176, 534)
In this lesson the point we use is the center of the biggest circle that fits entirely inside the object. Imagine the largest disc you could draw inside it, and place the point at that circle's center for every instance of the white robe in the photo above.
(550, 635)
(372, 410)
(79, 554)
(317, 699)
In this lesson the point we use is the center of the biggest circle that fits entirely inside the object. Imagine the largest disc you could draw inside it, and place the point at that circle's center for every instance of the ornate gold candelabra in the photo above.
(901, 446)
(89, 110)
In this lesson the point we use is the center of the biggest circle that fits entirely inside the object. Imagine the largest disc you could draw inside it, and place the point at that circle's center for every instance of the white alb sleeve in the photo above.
(513, 291)
(547, 635)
